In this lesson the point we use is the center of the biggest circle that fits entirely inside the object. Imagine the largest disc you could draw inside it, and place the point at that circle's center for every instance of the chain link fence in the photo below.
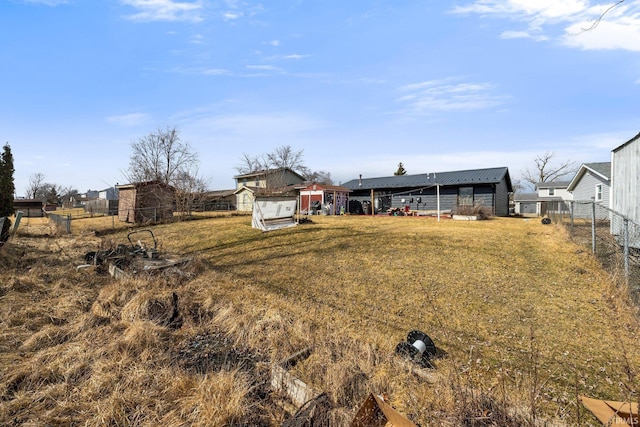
(612, 237)
(79, 219)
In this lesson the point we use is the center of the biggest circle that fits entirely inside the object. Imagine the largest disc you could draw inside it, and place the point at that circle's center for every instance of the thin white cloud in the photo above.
(295, 56)
(215, 72)
(129, 120)
(619, 28)
(164, 10)
(263, 67)
(522, 35)
(235, 10)
(545, 9)
(232, 16)
(257, 126)
(204, 71)
(439, 95)
(46, 2)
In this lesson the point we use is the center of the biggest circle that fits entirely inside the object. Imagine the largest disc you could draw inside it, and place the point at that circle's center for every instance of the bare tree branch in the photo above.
(250, 164)
(190, 189)
(597, 21)
(545, 171)
(36, 181)
(160, 156)
(286, 157)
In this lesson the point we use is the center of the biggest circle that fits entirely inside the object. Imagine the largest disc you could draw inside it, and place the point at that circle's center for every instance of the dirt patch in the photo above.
(214, 351)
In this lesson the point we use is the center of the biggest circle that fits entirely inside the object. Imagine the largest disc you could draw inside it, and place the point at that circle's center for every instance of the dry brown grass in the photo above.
(525, 320)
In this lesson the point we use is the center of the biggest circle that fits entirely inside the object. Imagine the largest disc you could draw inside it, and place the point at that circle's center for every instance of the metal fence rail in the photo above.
(612, 237)
(112, 220)
(62, 222)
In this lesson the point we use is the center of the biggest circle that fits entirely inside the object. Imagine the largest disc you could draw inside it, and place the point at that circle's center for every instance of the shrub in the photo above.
(479, 210)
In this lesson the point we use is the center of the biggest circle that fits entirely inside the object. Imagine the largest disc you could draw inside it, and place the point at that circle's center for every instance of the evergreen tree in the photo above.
(7, 187)
(401, 170)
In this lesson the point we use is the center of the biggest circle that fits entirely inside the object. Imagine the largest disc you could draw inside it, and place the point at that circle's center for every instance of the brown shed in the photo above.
(149, 201)
(30, 207)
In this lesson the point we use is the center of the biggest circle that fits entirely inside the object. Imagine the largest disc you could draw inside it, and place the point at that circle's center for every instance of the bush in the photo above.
(479, 210)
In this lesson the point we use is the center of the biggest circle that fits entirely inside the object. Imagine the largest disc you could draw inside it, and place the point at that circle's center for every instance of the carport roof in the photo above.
(465, 177)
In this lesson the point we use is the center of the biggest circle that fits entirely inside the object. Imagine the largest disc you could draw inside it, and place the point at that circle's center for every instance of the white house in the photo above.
(549, 195)
(265, 182)
(554, 190)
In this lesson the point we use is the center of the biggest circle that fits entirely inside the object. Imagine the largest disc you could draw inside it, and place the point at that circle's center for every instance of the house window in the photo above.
(552, 192)
(465, 196)
(598, 192)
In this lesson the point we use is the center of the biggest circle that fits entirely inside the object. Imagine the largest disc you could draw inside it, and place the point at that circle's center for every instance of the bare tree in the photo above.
(190, 191)
(546, 171)
(49, 193)
(36, 181)
(286, 157)
(319, 177)
(518, 186)
(250, 164)
(160, 156)
(283, 157)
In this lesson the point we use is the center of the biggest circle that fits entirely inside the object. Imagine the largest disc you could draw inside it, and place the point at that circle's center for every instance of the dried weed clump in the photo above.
(523, 321)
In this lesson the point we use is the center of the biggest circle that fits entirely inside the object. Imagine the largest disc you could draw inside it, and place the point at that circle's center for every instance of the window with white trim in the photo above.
(552, 192)
(598, 192)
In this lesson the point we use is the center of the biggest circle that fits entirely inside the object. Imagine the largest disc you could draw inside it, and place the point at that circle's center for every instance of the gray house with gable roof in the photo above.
(592, 182)
(487, 187)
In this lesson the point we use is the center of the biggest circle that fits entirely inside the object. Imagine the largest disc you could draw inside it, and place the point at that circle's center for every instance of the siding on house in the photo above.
(489, 187)
(584, 188)
(501, 205)
(263, 182)
(554, 189)
(244, 199)
(625, 178)
(275, 178)
(110, 193)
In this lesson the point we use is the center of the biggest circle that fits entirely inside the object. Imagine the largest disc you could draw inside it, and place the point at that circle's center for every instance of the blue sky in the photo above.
(358, 85)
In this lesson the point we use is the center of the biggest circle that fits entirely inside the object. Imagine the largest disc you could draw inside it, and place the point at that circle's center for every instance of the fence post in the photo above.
(626, 247)
(571, 210)
(68, 224)
(593, 227)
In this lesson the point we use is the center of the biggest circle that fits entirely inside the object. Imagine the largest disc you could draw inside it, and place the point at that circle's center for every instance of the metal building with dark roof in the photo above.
(487, 187)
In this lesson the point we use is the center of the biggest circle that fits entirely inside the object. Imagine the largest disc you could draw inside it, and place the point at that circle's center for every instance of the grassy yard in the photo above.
(525, 321)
